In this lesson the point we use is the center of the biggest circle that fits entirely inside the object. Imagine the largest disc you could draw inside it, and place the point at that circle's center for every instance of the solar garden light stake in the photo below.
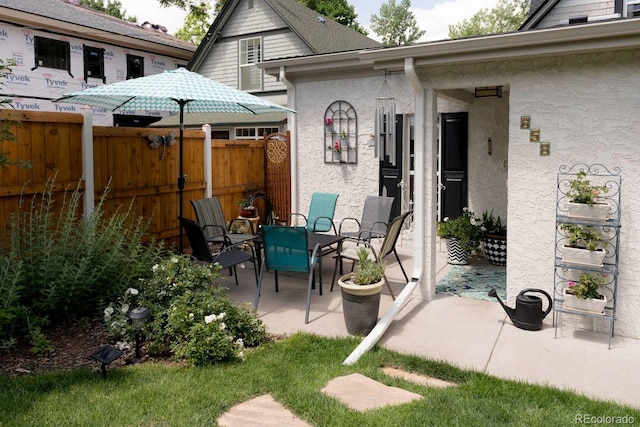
(138, 316)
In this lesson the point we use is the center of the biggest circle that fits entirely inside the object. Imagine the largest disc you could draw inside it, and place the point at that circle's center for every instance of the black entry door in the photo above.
(453, 192)
(390, 174)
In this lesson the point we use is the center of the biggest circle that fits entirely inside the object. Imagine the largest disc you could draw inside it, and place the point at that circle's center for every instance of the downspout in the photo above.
(418, 219)
(292, 124)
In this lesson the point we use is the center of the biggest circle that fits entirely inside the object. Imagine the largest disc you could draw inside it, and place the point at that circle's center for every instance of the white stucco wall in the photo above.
(585, 106)
(352, 181)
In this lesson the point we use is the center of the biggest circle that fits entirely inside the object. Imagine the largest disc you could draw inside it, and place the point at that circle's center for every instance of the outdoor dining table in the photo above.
(329, 243)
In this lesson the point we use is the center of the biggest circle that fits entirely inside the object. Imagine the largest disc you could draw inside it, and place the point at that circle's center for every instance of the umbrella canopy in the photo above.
(171, 91)
(167, 90)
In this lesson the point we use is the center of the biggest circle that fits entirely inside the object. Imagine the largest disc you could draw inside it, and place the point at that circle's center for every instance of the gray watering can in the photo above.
(528, 313)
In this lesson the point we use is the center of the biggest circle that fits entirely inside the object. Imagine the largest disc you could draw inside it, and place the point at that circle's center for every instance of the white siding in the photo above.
(567, 9)
(277, 42)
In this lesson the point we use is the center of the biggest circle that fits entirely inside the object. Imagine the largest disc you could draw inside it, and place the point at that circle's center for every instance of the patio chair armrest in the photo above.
(215, 226)
(347, 219)
(295, 214)
(373, 234)
(315, 223)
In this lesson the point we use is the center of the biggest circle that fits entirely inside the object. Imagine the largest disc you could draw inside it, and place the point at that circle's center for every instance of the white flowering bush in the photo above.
(190, 319)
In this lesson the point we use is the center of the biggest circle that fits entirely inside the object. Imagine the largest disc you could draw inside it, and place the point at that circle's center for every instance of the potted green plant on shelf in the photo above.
(584, 294)
(584, 200)
(462, 236)
(583, 245)
(361, 293)
(246, 209)
(494, 239)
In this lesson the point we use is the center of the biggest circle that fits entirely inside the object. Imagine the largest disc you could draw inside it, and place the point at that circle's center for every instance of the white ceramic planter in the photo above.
(597, 212)
(579, 256)
(584, 304)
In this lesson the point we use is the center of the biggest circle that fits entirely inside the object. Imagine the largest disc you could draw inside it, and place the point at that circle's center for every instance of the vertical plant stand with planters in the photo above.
(587, 243)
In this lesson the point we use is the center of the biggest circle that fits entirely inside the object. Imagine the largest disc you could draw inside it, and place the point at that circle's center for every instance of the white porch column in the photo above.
(425, 181)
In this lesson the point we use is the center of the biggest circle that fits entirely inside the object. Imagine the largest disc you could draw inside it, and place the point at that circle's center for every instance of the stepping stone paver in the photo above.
(418, 379)
(262, 411)
(361, 393)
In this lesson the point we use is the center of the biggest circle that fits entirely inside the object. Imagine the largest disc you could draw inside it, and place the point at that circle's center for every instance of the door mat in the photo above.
(473, 282)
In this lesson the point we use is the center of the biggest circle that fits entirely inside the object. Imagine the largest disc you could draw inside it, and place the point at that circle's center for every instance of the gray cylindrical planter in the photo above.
(360, 306)
(360, 312)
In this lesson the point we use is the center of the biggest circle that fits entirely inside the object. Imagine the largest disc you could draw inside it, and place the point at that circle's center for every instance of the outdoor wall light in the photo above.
(489, 146)
(489, 92)
(138, 316)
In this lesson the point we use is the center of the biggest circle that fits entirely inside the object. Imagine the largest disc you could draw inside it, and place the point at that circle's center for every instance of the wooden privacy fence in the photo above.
(125, 163)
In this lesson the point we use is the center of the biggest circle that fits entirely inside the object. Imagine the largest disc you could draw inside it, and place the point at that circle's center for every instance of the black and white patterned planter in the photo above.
(455, 255)
(495, 249)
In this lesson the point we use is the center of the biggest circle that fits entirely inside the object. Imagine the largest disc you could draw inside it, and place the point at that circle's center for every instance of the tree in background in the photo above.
(196, 24)
(338, 10)
(396, 24)
(506, 17)
(200, 16)
(113, 8)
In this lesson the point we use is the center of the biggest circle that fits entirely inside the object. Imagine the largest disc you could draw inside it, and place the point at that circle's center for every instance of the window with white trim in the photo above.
(254, 132)
(250, 55)
(633, 8)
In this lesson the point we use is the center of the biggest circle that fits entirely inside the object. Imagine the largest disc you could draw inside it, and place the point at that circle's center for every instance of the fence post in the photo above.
(208, 174)
(87, 160)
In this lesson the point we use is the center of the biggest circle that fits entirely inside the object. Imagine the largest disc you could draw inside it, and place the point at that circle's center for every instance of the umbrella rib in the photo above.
(123, 103)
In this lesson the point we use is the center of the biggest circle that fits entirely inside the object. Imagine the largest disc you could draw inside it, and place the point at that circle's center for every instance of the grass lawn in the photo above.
(293, 371)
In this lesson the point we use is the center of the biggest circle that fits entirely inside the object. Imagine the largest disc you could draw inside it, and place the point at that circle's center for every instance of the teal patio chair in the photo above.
(320, 216)
(286, 249)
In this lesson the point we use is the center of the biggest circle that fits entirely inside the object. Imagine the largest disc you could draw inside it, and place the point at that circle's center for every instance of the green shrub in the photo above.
(59, 267)
(190, 318)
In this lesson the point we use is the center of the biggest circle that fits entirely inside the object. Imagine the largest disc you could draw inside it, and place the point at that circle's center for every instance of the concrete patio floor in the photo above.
(468, 333)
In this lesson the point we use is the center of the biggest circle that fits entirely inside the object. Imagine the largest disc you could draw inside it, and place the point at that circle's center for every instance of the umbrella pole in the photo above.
(181, 177)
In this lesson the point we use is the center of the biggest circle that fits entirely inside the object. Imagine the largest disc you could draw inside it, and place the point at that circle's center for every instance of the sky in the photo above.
(434, 16)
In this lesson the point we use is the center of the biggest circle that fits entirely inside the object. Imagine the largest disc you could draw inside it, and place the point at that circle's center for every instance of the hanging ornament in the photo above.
(384, 123)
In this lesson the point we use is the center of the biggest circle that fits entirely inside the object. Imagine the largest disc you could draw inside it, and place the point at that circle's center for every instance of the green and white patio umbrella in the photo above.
(173, 91)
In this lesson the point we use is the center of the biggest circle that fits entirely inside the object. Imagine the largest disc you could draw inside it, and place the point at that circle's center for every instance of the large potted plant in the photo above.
(584, 294)
(494, 239)
(583, 199)
(462, 236)
(583, 245)
(361, 293)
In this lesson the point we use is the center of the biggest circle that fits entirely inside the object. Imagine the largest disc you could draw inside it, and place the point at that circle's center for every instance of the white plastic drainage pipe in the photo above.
(292, 124)
(418, 219)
